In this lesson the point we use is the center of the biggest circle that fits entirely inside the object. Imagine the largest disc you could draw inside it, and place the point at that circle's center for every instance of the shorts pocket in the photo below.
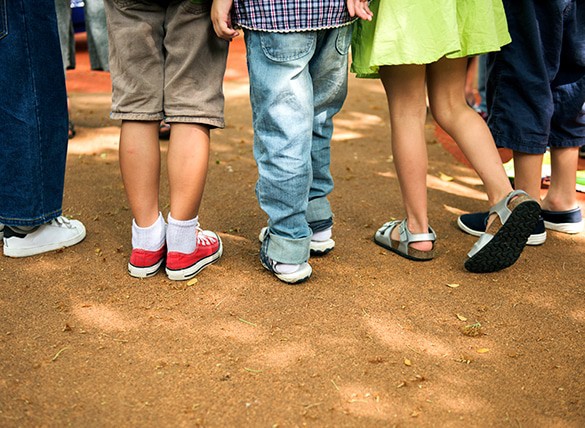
(3, 19)
(343, 39)
(124, 4)
(281, 47)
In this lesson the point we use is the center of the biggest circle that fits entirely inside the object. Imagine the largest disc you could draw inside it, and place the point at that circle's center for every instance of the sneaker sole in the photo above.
(26, 252)
(533, 240)
(507, 244)
(570, 228)
(291, 278)
(144, 272)
(194, 269)
(320, 248)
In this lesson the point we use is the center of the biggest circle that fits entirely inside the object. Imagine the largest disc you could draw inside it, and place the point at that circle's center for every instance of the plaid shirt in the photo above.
(290, 15)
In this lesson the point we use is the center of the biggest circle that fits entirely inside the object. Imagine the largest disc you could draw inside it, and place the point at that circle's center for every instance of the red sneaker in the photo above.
(145, 263)
(181, 266)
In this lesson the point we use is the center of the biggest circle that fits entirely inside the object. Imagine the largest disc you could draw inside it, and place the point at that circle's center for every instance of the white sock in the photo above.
(150, 238)
(286, 267)
(322, 235)
(182, 235)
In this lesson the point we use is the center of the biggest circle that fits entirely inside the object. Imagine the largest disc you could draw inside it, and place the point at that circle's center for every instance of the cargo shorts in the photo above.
(165, 61)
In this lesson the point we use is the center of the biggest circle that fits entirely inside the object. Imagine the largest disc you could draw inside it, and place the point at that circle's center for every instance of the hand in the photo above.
(359, 8)
(220, 17)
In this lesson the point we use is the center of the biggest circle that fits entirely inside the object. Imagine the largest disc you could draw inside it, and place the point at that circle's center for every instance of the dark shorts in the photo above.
(536, 84)
(165, 61)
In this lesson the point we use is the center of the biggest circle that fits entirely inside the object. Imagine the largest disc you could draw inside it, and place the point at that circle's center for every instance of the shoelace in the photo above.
(204, 239)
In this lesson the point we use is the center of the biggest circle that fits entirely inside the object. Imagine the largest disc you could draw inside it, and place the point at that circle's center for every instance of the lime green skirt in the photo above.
(423, 31)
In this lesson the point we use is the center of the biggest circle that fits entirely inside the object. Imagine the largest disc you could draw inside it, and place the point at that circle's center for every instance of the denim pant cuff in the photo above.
(317, 210)
(285, 250)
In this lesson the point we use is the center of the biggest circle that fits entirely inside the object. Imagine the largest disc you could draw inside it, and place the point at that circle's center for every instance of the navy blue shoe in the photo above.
(570, 221)
(475, 224)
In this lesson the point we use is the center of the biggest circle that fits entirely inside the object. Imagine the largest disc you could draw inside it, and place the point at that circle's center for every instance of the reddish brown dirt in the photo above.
(371, 340)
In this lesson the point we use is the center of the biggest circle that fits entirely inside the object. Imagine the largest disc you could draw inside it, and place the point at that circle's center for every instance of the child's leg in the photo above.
(187, 166)
(140, 167)
(446, 86)
(405, 89)
(564, 163)
(328, 70)
(527, 173)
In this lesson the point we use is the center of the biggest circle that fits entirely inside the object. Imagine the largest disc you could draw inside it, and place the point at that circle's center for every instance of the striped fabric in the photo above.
(290, 15)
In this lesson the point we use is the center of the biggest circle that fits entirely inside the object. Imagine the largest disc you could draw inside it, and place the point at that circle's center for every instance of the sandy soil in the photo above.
(371, 340)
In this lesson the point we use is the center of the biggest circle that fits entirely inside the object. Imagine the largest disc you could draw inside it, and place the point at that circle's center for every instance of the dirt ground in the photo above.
(371, 340)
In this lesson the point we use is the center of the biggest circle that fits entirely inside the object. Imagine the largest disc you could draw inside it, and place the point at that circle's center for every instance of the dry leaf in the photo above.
(192, 282)
(445, 177)
(472, 330)
(461, 317)
(407, 362)
(483, 350)
(453, 285)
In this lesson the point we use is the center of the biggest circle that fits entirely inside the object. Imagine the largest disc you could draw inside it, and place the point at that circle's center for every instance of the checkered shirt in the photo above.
(290, 15)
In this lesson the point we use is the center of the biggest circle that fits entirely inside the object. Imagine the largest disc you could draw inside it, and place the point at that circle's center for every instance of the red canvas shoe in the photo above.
(145, 263)
(181, 266)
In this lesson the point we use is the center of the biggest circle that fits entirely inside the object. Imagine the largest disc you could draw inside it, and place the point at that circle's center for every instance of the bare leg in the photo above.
(405, 90)
(140, 167)
(564, 163)
(446, 86)
(527, 173)
(187, 164)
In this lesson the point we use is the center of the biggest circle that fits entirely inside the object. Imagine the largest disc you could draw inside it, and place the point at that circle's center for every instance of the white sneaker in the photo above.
(54, 235)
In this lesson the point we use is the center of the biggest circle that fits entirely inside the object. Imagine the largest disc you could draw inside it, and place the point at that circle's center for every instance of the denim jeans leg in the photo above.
(33, 147)
(281, 93)
(328, 69)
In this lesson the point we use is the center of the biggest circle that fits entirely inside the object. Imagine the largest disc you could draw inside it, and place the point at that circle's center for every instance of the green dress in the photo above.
(423, 31)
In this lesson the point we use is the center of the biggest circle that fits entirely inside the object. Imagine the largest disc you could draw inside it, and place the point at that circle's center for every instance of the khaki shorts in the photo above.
(165, 61)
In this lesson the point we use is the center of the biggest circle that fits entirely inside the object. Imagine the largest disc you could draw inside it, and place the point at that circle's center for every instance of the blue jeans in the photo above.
(33, 113)
(298, 82)
(536, 84)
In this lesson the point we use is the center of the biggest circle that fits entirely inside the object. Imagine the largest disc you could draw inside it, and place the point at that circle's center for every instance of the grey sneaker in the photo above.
(54, 235)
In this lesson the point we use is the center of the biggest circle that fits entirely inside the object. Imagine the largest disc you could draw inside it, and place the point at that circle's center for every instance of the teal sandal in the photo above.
(383, 238)
(503, 241)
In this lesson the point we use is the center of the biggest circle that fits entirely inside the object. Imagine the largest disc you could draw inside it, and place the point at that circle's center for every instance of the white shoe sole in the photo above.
(571, 228)
(191, 271)
(534, 239)
(295, 277)
(33, 251)
(144, 272)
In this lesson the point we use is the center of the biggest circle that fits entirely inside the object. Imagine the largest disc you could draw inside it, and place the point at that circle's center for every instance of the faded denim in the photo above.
(33, 111)
(298, 82)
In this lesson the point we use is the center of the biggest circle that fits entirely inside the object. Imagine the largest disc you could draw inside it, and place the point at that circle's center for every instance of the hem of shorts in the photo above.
(295, 30)
(564, 143)
(534, 148)
(37, 221)
(137, 116)
(208, 121)
(211, 122)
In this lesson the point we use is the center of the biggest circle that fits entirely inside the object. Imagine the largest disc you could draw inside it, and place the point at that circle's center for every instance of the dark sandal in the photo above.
(402, 248)
(71, 132)
(503, 241)
(164, 131)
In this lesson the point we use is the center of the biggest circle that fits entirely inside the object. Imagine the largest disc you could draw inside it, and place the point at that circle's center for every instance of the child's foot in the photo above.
(182, 266)
(148, 248)
(321, 242)
(513, 220)
(396, 237)
(570, 221)
(289, 273)
(476, 223)
(54, 235)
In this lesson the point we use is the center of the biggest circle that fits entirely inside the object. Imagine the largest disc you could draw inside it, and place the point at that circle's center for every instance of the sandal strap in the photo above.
(501, 208)
(407, 237)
